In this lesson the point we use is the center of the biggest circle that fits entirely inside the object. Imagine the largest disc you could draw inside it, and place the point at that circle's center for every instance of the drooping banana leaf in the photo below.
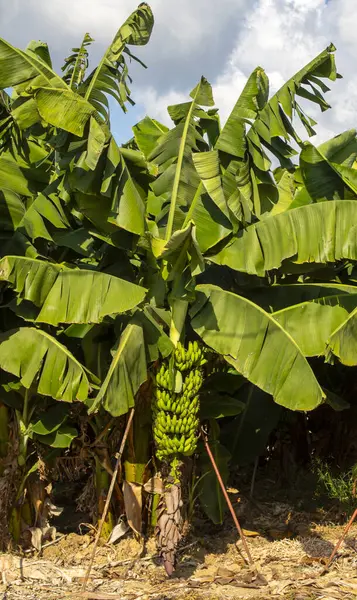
(61, 438)
(44, 213)
(69, 296)
(56, 102)
(326, 172)
(35, 356)
(286, 190)
(208, 168)
(49, 420)
(31, 279)
(320, 233)
(311, 324)
(325, 179)
(343, 341)
(211, 224)
(277, 297)
(157, 341)
(125, 375)
(127, 204)
(146, 134)
(82, 296)
(255, 343)
(19, 176)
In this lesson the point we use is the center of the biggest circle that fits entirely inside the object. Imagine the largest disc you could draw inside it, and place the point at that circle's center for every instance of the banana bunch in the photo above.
(175, 421)
(185, 360)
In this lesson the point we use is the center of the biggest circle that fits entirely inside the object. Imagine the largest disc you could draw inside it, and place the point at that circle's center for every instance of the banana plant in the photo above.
(169, 240)
(55, 156)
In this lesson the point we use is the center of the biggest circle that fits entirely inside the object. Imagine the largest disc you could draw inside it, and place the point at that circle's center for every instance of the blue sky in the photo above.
(222, 40)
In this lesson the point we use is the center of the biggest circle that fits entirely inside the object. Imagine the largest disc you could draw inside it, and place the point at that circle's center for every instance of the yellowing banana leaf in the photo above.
(319, 233)
(259, 348)
(35, 356)
(125, 375)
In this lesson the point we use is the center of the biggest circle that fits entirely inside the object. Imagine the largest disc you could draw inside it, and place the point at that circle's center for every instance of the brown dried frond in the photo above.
(87, 501)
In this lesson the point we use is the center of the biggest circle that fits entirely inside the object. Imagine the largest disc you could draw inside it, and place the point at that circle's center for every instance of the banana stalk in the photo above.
(4, 433)
(175, 429)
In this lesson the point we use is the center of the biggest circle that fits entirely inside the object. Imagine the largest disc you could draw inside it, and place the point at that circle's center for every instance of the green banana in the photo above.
(175, 421)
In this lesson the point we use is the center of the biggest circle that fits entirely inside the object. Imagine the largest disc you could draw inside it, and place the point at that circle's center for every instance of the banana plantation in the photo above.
(171, 306)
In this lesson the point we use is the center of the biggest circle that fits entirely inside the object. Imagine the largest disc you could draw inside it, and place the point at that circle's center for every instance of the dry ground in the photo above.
(289, 550)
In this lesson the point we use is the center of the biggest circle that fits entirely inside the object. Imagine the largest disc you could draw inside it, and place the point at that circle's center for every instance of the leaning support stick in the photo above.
(335, 550)
(109, 496)
(224, 491)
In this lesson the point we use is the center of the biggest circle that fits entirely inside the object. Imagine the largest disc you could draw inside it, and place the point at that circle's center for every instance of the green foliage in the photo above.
(340, 487)
(112, 255)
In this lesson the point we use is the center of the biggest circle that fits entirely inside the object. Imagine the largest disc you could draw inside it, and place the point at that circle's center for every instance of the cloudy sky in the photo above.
(221, 39)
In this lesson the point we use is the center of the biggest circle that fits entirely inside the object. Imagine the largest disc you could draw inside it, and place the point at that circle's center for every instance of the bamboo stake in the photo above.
(335, 550)
(229, 503)
(109, 496)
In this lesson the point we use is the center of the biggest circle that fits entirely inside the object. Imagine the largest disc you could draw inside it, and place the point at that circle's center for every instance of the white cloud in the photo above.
(156, 104)
(185, 25)
(224, 40)
(344, 15)
(284, 35)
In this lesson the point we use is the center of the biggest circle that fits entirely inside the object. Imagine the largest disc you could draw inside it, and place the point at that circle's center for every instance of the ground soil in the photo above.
(289, 548)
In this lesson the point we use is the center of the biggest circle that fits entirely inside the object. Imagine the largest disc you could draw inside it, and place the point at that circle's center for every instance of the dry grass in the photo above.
(211, 567)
